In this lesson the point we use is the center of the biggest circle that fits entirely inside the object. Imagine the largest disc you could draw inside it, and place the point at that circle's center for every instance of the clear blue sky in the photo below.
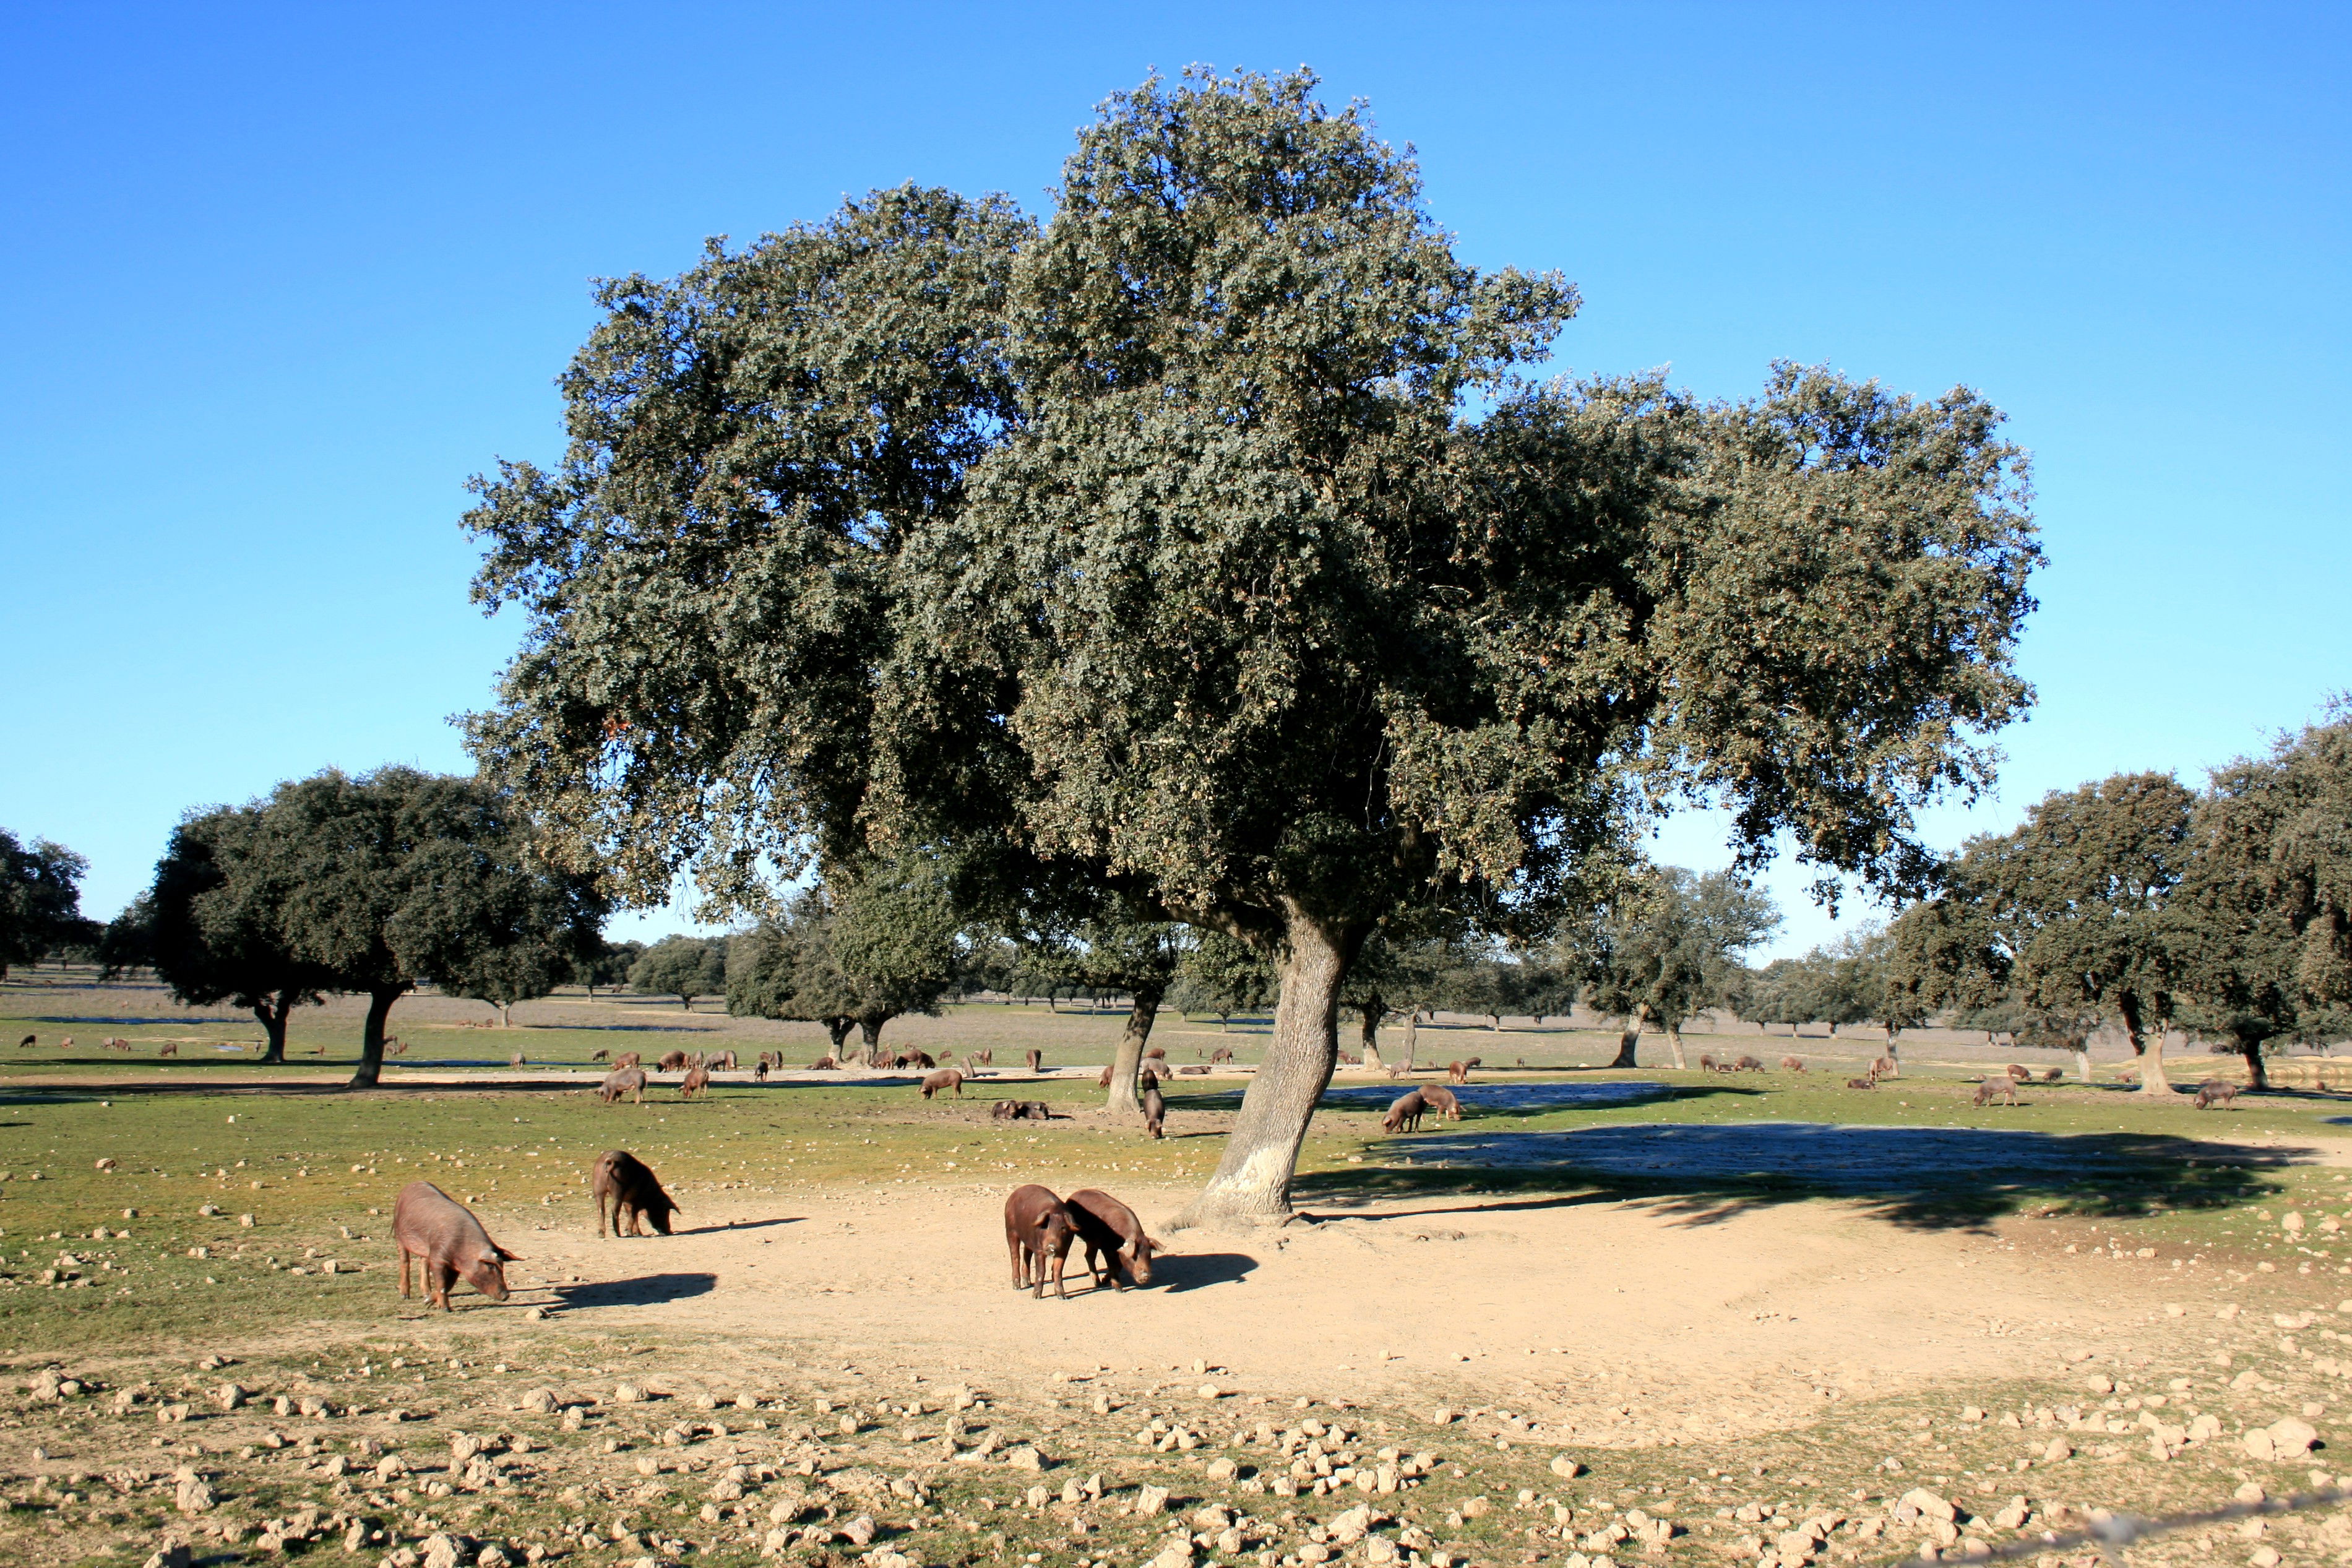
(279, 279)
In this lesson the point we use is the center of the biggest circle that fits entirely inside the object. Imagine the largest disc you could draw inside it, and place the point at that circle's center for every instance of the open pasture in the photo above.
(1718, 1295)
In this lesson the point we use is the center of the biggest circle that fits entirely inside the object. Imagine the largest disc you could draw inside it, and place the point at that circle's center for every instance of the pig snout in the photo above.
(488, 1275)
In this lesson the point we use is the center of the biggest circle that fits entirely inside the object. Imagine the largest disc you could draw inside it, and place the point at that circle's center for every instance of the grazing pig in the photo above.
(921, 1059)
(1350, 1061)
(1005, 1110)
(2051, 1075)
(826, 1063)
(1792, 1064)
(1038, 1230)
(168, 1048)
(1155, 1108)
(1747, 1064)
(1108, 1229)
(1159, 1051)
(514, 1060)
(981, 1058)
(394, 1045)
(2021, 1073)
(1707, 1064)
(626, 1059)
(2003, 1088)
(599, 1056)
(1036, 1061)
(1457, 1072)
(449, 1244)
(28, 1041)
(672, 1061)
(1221, 1054)
(2215, 1091)
(1887, 1066)
(621, 1081)
(760, 1073)
(723, 1062)
(946, 1078)
(626, 1188)
(1861, 1083)
(1405, 1113)
(698, 1077)
(1441, 1101)
(1102, 1078)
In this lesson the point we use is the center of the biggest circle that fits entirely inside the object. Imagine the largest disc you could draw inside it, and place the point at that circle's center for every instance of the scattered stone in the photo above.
(540, 1400)
(174, 1554)
(1150, 1500)
(1566, 1468)
(859, 1532)
(2289, 1437)
(228, 1396)
(193, 1494)
(2099, 1382)
(2059, 1449)
(1025, 1458)
(1222, 1469)
(629, 1393)
(1441, 1416)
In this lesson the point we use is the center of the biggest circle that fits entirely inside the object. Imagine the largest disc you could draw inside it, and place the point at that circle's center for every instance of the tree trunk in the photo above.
(870, 1030)
(1252, 1183)
(838, 1030)
(1120, 1100)
(1411, 1035)
(1369, 1034)
(380, 1001)
(1674, 1044)
(2083, 1061)
(273, 1026)
(2257, 1078)
(686, 1003)
(2144, 1046)
(506, 1015)
(1630, 1037)
(1494, 1023)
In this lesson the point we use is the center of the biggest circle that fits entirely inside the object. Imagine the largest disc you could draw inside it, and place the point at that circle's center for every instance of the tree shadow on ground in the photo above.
(645, 1291)
(1919, 1178)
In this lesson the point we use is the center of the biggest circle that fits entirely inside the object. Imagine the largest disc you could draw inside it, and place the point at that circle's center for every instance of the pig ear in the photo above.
(504, 1255)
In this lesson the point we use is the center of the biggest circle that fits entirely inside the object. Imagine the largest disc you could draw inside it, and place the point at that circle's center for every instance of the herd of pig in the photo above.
(443, 1241)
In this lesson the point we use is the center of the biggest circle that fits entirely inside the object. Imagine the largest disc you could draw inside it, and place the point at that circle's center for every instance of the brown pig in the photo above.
(621, 1081)
(1155, 1108)
(448, 1245)
(672, 1061)
(1441, 1101)
(946, 1078)
(627, 1187)
(1037, 1227)
(1405, 1113)
(1108, 1229)
(698, 1077)
(626, 1059)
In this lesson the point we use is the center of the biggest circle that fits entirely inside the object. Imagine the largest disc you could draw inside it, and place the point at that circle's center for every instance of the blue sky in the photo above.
(279, 279)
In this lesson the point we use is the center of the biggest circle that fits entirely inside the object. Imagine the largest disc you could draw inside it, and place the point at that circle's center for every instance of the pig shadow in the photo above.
(645, 1291)
(1199, 1270)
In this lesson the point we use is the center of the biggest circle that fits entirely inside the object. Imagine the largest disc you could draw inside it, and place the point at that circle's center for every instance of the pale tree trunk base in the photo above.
(1120, 1100)
(1411, 1037)
(371, 1068)
(2152, 1079)
(1252, 1183)
(1674, 1044)
(2083, 1066)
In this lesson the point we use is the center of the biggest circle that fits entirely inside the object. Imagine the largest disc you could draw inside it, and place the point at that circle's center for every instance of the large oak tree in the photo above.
(1203, 539)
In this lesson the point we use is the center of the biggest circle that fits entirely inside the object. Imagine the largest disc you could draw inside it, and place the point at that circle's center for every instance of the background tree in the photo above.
(2069, 915)
(608, 965)
(215, 921)
(1138, 957)
(1203, 542)
(855, 950)
(2262, 909)
(1399, 970)
(685, 967)
(378, 882)
(40, 898)
(1485, 985)
(1224, 976)
(1670, 947)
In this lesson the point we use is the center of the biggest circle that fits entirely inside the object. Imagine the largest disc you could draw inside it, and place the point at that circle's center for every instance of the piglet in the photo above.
(448, 1243)
(1038, 1230)
(1109, 1231)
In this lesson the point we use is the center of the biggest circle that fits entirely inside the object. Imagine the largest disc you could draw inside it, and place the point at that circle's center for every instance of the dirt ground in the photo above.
(1611, 1320)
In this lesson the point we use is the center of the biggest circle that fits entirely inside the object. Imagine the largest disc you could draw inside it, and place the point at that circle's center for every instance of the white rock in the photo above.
(1566, 1468)
(1150, 1500)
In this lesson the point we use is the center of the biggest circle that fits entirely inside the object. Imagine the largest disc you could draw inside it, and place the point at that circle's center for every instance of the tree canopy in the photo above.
(1204, 540)
(858, 950)
(41, 900)
(1671, 945)
(685, 967)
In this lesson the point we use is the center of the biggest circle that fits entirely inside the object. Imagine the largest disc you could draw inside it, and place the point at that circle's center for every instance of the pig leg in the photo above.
(443, 1276)
(404, 1274)
(1020, 1260)
(1060, 1260)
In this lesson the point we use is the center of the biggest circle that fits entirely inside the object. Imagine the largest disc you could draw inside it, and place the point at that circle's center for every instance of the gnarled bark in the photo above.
(1674, 1044)
(1252, 1183)
(1412, 1036)
(273, 1012)
(1129, 1062)
(1630, 1037)
(2147, 1046)
(380, 1001)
